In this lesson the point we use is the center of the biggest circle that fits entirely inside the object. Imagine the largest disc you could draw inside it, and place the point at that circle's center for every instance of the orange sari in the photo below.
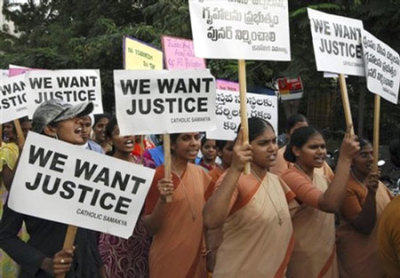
(358, 253)
(176, 250)
(314, 254)
(257, 235)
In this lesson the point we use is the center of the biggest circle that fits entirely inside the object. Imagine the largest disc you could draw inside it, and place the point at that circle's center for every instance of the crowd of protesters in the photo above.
(290, 216)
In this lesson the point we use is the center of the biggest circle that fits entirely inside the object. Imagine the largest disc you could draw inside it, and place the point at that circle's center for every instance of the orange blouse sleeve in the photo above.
(301, 185)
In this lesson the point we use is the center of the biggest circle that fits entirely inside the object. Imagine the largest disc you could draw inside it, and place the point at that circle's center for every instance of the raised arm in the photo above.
(333, 197)
(217, 207)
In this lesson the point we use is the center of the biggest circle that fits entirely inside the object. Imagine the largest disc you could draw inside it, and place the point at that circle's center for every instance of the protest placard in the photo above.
(337, 43)
(140, 56)
(254, 30)
(14, 70)
(155, 102)
(73, 86)
(382, 67)
(227, 85)
(179, 54)
(13, 99)
(65, 183)
(228, 115)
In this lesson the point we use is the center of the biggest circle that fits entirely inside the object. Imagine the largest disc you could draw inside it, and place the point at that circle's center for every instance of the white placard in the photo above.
(13, 104)
(160, 101)
(73, 86)
(228, 112)
(61, 182)
(337, 43)
(254, 30)
(382, 68)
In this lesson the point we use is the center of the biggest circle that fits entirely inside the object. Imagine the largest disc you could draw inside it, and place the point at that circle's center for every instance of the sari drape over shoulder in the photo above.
(358, 253)
(257, 235)
(176, 250)
(314, 254)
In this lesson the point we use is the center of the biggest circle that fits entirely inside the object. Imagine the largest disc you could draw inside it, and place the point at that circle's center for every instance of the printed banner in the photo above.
(382, 68)
(179, 54)
(73, 86)
(290, 89)
(14, 70)
(140, 56)
(227, 85)
(254, 30)
(64, 183)
(337, 43)
(13, 102)
(155, 102)
(228, 112)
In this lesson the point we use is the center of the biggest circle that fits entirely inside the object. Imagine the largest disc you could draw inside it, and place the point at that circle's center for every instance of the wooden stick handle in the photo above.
(377, 111)
(20, 134)
(167, 160)
(243, 108)
(69, 242)
(346, 103)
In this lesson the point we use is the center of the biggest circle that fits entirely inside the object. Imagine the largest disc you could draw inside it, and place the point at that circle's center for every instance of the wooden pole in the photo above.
(346, 103)
(69, 242)
(243, 107)
(167, 159)
(20, 134)
(377, 111)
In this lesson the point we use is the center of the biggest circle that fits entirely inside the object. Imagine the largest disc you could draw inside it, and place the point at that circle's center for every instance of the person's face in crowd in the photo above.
(296, 126)
(362, 162)
(99, 130)
(26, 126)
(226, 154)
(312, 154)
(209, 151)
(265, 149)
(68, 130)
(123, 144)
(86, 127)
(9, 132)
(187, 146)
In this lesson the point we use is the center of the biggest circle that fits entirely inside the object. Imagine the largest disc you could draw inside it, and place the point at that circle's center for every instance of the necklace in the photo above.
(356, 179)
(280, 220)
(191, 206)
(302, 170)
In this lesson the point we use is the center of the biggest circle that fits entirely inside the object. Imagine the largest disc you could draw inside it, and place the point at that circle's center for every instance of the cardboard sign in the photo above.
(14, 70)
(13, 99)
(73, 86)
(227, 85)
(179, 54)
(228, 112)
(254, 30)
(290, 89)
(382, 68)
(155, 102)
(337, 43)
(64, 183)
(139, 55)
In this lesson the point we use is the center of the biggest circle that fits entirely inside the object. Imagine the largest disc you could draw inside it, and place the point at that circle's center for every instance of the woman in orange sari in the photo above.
(252, 210)
(365, 200)
(177, 250)
(314, 254)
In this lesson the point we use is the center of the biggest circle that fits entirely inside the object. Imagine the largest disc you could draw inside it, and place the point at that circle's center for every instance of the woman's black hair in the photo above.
(110, 127)
(221, 144)
(98, 117)
(108, 132)
(293, 120)
(299, 137)
(257, 126)
(363, 142)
